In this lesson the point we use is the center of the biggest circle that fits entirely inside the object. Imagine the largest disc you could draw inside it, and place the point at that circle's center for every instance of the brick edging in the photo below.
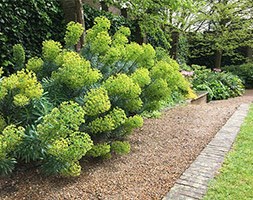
(193, 183)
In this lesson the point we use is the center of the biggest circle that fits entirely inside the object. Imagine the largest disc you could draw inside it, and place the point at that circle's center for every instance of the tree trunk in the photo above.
(123, 12)
(249, 53)
(174, 44)
(80, 19)
(104, 6)
(218, 56)
(138, 35)
(73, 11)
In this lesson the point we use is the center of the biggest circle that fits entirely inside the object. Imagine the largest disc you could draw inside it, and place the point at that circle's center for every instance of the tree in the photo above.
(226, 25)
(151, 16)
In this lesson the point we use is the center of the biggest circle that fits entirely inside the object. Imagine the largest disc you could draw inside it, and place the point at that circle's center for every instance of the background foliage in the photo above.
(29, 23)
(244, 72)
(220, 85)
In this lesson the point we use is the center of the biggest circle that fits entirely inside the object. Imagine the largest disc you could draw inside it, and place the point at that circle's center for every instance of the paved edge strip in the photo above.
(193, 183)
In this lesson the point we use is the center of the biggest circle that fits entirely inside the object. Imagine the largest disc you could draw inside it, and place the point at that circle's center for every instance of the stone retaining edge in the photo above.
(193, 183)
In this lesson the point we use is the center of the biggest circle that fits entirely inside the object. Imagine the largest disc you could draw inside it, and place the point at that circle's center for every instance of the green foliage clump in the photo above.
(244, 72)
(96, 102)
(99, 150)
(220, 85)
(123, 86)
(90, 14)
(22, 87)
(34, 64)
(67, 144)
(120, 147)
(98, 36)
(141, 77)
(77, 105)
(18, 56)
(132, 123)
(50, 50)
(109, 122)
(10, 138)
(73, 33)
(73, 69)
(61, 121)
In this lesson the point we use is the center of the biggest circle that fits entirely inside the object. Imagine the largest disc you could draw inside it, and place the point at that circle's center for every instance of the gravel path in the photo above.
(161, 151)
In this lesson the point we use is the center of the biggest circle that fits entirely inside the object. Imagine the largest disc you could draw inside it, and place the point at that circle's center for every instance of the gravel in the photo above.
(161, 151)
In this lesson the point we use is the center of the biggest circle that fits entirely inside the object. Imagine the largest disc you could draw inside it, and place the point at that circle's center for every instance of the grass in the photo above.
(235, 181)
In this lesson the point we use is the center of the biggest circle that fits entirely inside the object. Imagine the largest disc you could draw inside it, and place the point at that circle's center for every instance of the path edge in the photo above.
(193, 183)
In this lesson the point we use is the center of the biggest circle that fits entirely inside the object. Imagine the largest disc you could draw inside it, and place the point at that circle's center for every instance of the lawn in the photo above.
(235, 180)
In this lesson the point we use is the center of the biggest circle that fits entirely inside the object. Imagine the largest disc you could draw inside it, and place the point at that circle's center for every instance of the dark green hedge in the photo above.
(28, 22)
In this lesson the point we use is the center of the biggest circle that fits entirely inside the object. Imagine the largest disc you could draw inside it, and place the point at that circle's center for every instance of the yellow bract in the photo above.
(23, 85)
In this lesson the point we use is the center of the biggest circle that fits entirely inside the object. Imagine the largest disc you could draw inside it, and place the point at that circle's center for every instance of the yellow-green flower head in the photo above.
(75, 71)
(112, 55)
(102, 24)
(11, 137)
(141, 77)
(121, 147)
(133, 105)
(24, 85)
(34, 64)
(10, 82)
(120, 37)
(50, 50)
(74, 169)
(20, 100)
(109, 122)
(71, 149)
(101, 43)
(133, 51)
(96, 102)
(73, 33)
(173, 63)
(158, 90)
(161, 70)
(58, 147)
(3, 91)
(135, 122)
(123, 86)
(99, 150)
(1, 72)
(148, 57)
(69, 116)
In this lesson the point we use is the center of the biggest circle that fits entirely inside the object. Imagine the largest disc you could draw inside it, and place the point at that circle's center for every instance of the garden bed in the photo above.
(161, 151)
(201, 98)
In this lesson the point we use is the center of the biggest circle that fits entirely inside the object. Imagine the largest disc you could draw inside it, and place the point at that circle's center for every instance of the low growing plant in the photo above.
(220, 85)
(65, 106)
(244, 72)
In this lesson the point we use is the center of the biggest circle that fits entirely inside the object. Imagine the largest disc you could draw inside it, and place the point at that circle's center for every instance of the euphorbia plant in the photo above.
(73, 105)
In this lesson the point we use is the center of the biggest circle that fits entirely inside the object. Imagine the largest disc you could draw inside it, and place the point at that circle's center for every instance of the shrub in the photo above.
(220, 85)
(75, 105)
(244, 72)
(120, 147)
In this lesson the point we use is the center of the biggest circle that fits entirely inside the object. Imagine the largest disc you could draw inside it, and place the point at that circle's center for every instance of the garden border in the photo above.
(193, 183)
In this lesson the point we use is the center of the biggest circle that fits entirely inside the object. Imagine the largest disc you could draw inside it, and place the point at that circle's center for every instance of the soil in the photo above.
(161, 151)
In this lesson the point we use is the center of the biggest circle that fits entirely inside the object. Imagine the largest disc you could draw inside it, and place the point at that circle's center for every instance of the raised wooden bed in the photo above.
(201, 98)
